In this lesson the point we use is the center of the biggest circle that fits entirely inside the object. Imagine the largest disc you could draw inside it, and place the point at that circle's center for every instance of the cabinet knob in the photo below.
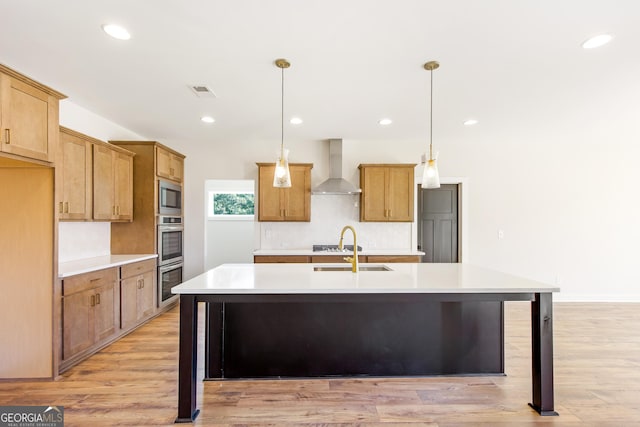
(97, 299)
(93, 301)
(7, 136)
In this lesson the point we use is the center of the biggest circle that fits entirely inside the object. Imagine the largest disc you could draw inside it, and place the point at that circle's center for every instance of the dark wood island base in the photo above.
(253, 333)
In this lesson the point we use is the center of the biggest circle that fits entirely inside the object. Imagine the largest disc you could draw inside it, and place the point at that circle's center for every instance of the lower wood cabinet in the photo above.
(336, 258)
(393, 258)
(137, 293)
(259, 259)
(332, 258)
(89, 311)
(101, 306)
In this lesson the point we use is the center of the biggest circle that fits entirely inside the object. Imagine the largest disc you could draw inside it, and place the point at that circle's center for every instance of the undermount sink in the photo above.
(348, 268)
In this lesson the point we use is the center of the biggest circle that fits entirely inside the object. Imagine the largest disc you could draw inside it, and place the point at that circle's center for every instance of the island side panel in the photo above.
(360, 338)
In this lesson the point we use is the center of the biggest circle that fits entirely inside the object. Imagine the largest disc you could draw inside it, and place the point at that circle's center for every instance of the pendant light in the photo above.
(431, 178)
(282, 177)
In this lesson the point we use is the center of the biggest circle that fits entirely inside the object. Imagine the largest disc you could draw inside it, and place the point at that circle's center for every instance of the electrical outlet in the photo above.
(500, 234)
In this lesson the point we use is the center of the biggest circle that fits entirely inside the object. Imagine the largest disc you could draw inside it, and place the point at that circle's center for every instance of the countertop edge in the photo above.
(87, 265)
(309, 252)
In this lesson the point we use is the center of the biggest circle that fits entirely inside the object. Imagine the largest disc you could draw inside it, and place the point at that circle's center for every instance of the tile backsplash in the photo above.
(329, 213)
(78, 240)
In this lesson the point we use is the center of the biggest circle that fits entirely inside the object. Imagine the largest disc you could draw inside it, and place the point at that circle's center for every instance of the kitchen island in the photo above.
(467, 299)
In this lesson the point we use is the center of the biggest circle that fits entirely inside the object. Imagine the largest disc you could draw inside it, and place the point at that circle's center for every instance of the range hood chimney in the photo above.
(336, 184)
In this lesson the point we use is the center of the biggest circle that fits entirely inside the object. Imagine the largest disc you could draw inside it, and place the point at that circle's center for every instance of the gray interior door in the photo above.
(438, 224)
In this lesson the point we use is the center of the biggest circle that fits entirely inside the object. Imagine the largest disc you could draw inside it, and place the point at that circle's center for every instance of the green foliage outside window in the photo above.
(233, 204)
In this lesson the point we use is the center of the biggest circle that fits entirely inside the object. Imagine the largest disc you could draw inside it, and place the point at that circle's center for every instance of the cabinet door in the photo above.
(77, 322)
(128, 302)
(297, 199)
(169, 165)
(136, 299)
(284, 204)
(29, 119)
(75, 178)
(103, 183)
(123, 186)
(177, 168)
(146, 293)
(393, 258)
(373, 206)
(400, 194)
(270, 198)
(104, 312)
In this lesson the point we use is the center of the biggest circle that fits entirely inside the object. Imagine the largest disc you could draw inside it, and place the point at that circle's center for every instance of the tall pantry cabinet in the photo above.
(150, 165)
(28, 230)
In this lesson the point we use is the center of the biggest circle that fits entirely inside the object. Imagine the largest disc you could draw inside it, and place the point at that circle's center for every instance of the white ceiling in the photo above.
(353, 62)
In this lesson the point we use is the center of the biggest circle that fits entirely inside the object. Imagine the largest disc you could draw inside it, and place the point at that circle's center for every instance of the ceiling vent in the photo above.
(202, 91)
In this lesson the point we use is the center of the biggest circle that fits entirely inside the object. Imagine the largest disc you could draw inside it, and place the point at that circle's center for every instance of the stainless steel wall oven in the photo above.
(170, 256)
(169, 276)
(170, 240)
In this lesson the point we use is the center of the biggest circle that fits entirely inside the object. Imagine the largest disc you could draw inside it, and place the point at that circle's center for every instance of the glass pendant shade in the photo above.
(282, 177)
(430, 177)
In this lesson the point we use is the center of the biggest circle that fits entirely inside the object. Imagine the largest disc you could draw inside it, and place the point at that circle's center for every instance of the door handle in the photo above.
(7, 136)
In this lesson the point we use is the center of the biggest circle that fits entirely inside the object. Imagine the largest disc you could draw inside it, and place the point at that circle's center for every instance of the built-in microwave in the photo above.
(169, 198)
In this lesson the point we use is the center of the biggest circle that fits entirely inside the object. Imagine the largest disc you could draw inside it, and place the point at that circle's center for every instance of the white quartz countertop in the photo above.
(86, 265)
(310, 252)
(403, 278)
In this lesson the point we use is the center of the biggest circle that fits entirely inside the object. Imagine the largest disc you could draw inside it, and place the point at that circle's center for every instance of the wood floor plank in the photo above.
(133, 382)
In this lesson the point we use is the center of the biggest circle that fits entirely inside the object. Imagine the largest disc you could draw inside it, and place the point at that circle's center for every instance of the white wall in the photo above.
(561, 184)
(77, 240)
(228, 240)
(565, 200)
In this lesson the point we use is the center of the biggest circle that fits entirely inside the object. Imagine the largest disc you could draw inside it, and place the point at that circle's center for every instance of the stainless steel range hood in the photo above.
(335, 184)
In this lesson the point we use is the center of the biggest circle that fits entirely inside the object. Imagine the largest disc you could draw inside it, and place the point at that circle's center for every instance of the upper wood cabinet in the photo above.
(140, 235)
(74, 176)
(387, 192)
(169, 164)
(28, 117)
(112, 183)
(284, 204)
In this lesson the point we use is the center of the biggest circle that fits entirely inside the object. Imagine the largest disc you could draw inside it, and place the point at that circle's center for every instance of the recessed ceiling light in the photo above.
(207, 119)
(116, 31)
(295, 121)
(597, 41)
(470, 122)
(385, 122)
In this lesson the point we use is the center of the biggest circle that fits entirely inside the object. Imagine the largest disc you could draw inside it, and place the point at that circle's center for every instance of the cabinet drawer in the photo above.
(281, 258)
(393, 258)
(94, 279)
(133, 269)
(335, 258)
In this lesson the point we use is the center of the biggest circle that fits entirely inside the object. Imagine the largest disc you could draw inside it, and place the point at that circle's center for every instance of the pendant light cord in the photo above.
(282, 119)
(431, 120)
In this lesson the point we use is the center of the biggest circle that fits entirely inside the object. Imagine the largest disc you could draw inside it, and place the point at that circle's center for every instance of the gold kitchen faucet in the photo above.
(354, 259)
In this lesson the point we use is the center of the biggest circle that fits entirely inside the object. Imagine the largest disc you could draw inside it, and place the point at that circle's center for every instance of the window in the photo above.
(231, 205)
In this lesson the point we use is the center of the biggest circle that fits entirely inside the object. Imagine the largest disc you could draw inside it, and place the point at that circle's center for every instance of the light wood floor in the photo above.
(133, 382)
